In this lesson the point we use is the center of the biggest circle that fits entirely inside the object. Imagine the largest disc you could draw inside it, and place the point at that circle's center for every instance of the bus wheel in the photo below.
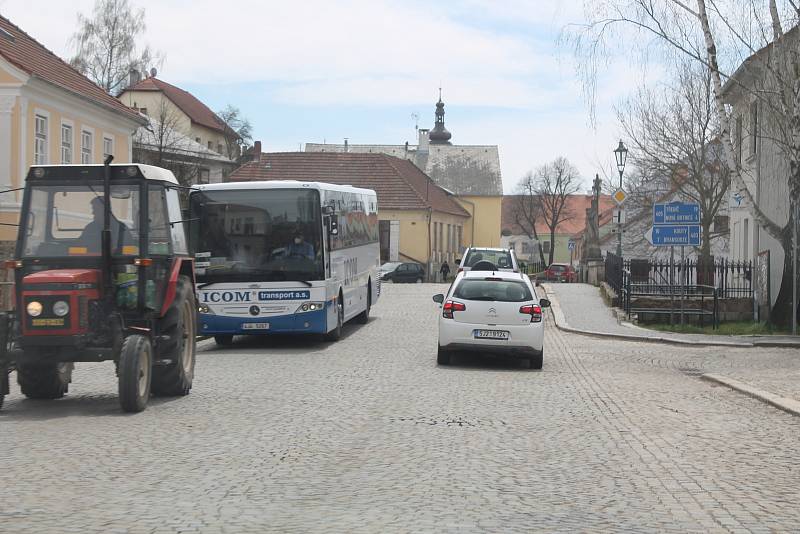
(363, 317)
(336, 333)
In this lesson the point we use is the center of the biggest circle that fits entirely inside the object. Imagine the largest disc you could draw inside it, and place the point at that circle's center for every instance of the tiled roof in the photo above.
(463, 169)
(198, 112)
(399, 183)
(575, 206)
(28, 55)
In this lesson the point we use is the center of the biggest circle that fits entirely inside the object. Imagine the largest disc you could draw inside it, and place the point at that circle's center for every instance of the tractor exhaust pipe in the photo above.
(105, 238)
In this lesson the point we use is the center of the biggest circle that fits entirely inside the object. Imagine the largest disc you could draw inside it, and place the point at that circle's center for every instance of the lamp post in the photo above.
(621, 155)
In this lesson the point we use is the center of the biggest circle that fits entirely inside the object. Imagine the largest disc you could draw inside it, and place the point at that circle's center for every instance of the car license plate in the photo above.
(491, 334)
(255, 326)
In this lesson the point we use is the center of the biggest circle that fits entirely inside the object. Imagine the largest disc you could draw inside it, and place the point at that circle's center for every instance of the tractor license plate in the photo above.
(47, 322)
(255, 326)
(491, 334)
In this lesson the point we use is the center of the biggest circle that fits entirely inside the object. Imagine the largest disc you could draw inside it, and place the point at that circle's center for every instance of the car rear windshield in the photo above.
(492, 289)
(558, 267)
(500, 258)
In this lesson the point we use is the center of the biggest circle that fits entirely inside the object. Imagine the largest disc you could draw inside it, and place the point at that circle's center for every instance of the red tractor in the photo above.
(101, 272)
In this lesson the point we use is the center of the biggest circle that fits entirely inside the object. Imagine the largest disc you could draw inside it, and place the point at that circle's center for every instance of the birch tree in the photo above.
(107, 45)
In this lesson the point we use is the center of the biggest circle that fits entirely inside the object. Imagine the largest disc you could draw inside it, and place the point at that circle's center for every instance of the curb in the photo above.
(782, 403)
(561, 324)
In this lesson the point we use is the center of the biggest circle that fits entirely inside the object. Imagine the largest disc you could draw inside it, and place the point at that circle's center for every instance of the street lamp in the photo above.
(621, 154)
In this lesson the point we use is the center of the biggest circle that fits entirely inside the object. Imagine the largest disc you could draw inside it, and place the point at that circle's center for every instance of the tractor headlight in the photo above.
(61, 308)
(34, 308)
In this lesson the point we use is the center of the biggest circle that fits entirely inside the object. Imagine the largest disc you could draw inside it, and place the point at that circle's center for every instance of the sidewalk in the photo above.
(579, 307)
(771, 374)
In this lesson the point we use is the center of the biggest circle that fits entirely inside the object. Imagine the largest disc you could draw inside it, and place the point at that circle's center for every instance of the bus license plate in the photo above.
(491, 334)
(255, 326)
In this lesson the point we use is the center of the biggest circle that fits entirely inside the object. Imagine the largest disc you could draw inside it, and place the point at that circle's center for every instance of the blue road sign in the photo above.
(675, 235)
(676, 213)
(571, 245)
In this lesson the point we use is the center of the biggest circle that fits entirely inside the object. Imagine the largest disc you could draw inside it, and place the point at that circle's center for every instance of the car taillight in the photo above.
(534, 310)
(460, 269)
(451, 306)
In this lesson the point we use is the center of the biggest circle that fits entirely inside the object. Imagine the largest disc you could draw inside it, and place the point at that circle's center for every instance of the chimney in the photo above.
(257, 151)
(346, 148)
(423, 140)
(134, 77)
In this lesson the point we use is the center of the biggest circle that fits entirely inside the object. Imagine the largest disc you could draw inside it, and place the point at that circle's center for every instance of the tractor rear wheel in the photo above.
(45, 380)
(135, 371)
(178, 326)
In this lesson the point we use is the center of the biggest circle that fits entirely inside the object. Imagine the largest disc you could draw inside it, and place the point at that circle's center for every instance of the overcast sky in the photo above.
(316, 71)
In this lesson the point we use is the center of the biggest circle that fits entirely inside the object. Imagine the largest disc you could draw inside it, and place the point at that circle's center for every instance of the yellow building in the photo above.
(51, 114)
(419, 221)
(181, 111)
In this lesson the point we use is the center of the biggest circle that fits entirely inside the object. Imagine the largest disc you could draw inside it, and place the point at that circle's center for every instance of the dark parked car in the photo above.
(561, 272)
(406, 272)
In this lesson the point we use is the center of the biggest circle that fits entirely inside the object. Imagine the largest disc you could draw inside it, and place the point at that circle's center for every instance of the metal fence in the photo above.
(731, 279)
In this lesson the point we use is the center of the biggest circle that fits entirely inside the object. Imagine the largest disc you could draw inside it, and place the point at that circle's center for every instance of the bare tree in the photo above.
(525, 209)
(238, 131)
(674, 143)
(160, 143)
(106, 47)
(721, 38)
(554, 182)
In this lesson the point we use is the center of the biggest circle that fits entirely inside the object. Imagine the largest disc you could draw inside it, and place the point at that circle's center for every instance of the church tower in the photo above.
(439, 135)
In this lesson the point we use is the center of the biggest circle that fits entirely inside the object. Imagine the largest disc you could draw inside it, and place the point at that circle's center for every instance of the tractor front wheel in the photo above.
(45, 380)
(135, 371)
(179, 329)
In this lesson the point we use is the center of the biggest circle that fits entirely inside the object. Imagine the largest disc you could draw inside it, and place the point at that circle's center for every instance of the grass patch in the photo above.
(733, 328)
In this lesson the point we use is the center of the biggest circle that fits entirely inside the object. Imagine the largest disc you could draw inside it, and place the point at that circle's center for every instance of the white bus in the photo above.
(283, 257)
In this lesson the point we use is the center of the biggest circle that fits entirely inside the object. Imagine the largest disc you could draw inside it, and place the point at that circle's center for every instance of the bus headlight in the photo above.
(34, 308)
(310, 307)
(61, 308)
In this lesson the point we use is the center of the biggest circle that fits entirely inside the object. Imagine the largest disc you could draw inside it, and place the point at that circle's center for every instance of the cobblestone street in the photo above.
(370, 435)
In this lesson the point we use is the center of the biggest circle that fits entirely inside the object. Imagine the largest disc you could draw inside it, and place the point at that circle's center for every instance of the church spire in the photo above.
(439, 135)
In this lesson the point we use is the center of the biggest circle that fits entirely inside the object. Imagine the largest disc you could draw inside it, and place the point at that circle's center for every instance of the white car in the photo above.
(499, 259)
(492, 312)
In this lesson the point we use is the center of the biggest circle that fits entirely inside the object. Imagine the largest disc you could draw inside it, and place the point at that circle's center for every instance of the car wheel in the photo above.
(536, 361)
(419, 280)
(442, 357)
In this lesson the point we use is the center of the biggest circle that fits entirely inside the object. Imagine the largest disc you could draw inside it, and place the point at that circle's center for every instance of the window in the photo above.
(40, 141)
(441, 237)
(435, 236)
(721, 224)
(460, 242)
(527, 248)
(739, 140)
(87, 138)
(66, 143)
(492, 290)
(219, 148)
(209, 145)
(449, 238)
(746, 239)
(753, 128)
(203, 176)
(197, 140)
(546, 247)
(108, 147)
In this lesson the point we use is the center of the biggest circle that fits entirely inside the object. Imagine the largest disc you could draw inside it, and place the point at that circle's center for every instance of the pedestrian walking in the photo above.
(444, 270)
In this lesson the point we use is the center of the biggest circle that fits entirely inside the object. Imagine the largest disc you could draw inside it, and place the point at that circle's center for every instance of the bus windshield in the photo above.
(257, 235)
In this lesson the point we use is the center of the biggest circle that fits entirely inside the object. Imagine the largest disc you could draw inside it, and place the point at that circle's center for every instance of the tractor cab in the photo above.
(102, 272)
